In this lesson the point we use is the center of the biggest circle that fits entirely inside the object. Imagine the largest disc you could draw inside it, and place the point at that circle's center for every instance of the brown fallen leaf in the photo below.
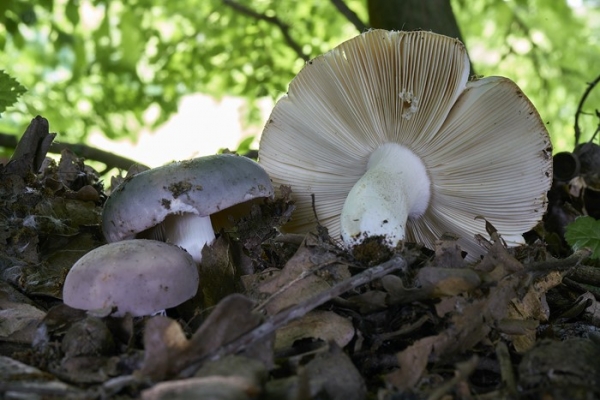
(324, 325)
(19, 317)
(561, 370)
(531, 309)
(168, 352)
(330, 375)
(295, 283)
(469, 323)
(448, 254)
(219, 271)
(25, 381)
(207, 388)
(438, 282)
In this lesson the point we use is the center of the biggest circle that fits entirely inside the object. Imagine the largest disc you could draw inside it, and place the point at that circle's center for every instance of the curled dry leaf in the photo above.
(469, 321)
(447, 281)
(529, 310)
(168, 352)
(448, 253)
(219, 271)
(324, 325)
(19, 317)
(229, 378)
(562, 370)
(330, 375)
(21, 379)
(89, 336)
(212, 387)
(296, 282)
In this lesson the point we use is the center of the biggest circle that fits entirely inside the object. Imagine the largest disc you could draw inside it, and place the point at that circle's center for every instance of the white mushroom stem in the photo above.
(190, 232)
(395, 187)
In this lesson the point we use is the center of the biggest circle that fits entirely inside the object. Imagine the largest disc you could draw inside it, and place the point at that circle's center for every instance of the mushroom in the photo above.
(178, 203)
(138, 276)
(393, 140)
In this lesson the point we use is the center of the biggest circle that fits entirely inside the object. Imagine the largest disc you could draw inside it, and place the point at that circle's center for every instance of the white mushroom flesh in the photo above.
(188, 231)
(394, 188)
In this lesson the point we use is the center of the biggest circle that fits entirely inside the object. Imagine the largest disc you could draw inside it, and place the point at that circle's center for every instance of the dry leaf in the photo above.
(295, 283)
(469, 323)
(324, 325)
(19, 317)
(412, 362)
(208, 388)
(165, 347)
(168, 352)
(219, 272)
(531, 309)
(440, 282)
(448, 254)
(330, 375)
(561, 370)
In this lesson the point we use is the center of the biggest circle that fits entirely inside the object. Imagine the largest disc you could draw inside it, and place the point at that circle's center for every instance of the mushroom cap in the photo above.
(137, 276)
(201, 186)
(484, 145)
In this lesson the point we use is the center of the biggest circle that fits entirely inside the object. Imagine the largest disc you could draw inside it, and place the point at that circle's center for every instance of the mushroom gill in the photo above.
(484, 148)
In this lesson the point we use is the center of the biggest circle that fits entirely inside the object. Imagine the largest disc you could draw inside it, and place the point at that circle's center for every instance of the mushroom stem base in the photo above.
(395, 187)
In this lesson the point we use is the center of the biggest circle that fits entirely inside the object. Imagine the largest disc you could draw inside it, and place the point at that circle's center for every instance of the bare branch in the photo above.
(283, 27)
(588, 90)
(350, 15)
(81, 150)
(272, 323)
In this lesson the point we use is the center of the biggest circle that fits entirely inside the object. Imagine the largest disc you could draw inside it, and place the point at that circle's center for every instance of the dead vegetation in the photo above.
(288, 316)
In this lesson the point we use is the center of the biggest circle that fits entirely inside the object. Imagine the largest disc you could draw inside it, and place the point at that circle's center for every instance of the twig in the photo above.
(275, 322)
(350, 15)
(81, 150)
(506, 368)
(283, 27)
(591, 86)
(42, 390)
(291, 283)
(562, 265)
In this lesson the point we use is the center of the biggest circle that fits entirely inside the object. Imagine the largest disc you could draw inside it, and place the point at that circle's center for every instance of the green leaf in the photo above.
(10, 90)
(584, 232)
(244, 145)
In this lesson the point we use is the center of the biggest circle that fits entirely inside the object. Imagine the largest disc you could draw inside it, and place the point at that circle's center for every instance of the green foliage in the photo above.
(584, 232)
(549, 48)
(10, 90)
(100, 65)
(245, 145)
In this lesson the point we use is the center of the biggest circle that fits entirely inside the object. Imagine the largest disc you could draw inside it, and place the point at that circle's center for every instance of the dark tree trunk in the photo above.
(409, 15)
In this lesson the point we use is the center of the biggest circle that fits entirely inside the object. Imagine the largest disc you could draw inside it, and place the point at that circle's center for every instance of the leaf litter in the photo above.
(284, 316)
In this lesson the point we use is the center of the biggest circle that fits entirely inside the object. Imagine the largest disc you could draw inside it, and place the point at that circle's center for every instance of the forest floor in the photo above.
(288, 316)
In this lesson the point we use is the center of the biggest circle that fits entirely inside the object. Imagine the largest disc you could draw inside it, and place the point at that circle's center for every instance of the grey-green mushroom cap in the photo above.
(182, 196)
(139, 276)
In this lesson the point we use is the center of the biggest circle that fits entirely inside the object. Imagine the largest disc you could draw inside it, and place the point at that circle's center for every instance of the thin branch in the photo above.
(283, 27)
(81, 150)
(350, 15)
(271, 324)
(591, 86)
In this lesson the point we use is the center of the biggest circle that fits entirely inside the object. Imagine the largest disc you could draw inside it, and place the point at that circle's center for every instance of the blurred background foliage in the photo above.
(116, 66)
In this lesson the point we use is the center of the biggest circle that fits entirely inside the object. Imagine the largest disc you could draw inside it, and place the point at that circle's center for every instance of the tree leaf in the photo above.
(584, 232)
(10, 90)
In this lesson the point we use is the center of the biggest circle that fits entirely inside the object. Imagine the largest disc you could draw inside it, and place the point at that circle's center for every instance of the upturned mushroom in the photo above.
(139, 276)
(178, 202)
(392, 140)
